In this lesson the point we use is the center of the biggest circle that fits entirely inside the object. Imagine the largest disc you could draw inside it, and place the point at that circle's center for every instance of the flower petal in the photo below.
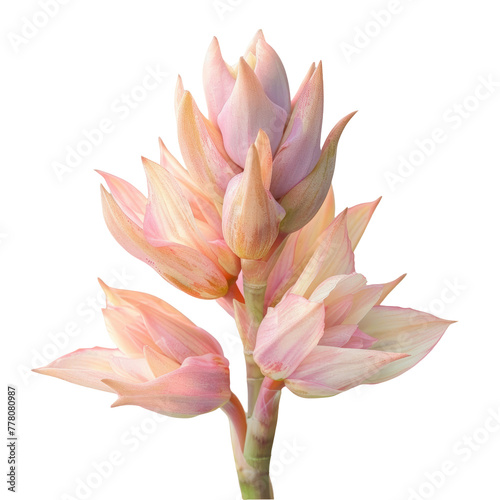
(250, 216)
(305, 198)
(176, 338)
(346, 336)
(333, 256)
(337, 287)
(158, 363)
(338, 335)
(327, 371)
(265, 157)
(202, 149)
(360, 340)
(337, 312)
(287, 334)
(272, 75)
(300, 149)
(252, 46)
(129, 198)
(363, 301)
(306, 79)
(402, 330)
(388, 288)
(199, 386)
(203, 208)
(358, 218)
(218, 81)
(313, 229)
(248, 110)
(169, 218)
(85, 367)
(182, 266)
(178, 94)
(127, 330)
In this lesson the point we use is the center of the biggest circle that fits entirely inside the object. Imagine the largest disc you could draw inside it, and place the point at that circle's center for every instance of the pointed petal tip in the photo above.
(113, 384)
(342, 215)
(119, 402)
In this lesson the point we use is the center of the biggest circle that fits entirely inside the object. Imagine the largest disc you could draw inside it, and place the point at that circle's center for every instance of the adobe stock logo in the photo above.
(463, 450)
(32, 25)
(223, 7)
(121, 108)
(365, 33)
(452, 119)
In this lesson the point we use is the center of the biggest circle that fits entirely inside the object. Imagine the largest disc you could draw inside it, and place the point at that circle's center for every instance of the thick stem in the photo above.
(254, 300)
(259, 441)
(254, 381)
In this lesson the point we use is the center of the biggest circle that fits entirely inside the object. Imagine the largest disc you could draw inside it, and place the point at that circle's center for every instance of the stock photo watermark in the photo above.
(452, 119)
(452, 289)
(462, 451)
(287, 453)
(85, 312)
(223, 7)
(365, 33)
(121, 108)
(31, 26)
(102, 469)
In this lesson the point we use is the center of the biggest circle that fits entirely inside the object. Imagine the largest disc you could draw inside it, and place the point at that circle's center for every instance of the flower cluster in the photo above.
(250, 221)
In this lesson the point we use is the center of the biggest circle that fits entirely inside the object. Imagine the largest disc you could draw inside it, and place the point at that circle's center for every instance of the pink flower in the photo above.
(252, 98)
(251, 216)
(164, 362)
(325, 331)
(176, 230)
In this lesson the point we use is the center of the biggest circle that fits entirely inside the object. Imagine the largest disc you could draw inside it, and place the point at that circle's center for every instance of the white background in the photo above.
(439, 224)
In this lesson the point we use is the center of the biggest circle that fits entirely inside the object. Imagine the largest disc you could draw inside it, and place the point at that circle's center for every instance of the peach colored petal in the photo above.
(265, 157)
(313, 229)
(402, 330)
(358, 218)
(126, 329)
(129, 199)
(179, 92)
(203, 151)
(388, 288)
(180, 265)
(337, 287)
(306, 79)
(337, 312)
(333, 256)
(327, 371)
(158, 363)
(363, 301)
(169, 218)
(218, 81)
(304, 200)
(250, 215)
(248, 110)
(272, 75)
(177, 340)
(85, 367)
(199, 386)
(301, 149)
(287, 334)
(348, 336)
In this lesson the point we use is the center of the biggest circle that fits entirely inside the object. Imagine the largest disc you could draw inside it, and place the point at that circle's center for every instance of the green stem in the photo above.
(261, 428)
(254, 300)
(254, 382)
